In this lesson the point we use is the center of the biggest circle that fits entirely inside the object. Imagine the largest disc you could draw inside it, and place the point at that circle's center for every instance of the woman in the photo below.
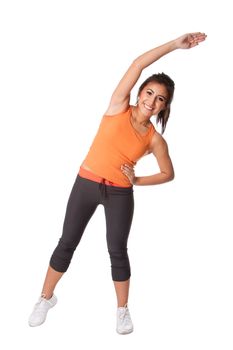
(107, 176)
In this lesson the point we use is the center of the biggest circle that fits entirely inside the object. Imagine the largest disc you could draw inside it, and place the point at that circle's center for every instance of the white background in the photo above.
(59, 62)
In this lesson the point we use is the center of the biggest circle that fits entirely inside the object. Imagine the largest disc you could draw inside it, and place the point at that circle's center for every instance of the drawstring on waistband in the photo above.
(103, 188)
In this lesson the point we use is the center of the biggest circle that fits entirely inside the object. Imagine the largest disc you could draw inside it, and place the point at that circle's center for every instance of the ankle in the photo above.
(46, 296)
(122, 305)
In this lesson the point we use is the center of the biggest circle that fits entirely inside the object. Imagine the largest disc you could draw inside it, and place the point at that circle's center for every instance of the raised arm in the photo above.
(121, 95)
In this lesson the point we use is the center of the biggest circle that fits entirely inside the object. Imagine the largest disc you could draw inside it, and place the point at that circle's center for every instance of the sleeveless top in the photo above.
(116, 143)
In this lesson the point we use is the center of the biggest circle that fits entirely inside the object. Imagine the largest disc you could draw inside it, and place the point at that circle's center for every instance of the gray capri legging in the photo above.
(84, 198)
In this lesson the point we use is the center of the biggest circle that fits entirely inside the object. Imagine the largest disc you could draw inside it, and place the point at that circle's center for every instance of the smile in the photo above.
(148, 107)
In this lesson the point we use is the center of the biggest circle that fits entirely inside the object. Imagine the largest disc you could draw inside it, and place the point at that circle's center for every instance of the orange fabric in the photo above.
(90, 176)
(117, 143)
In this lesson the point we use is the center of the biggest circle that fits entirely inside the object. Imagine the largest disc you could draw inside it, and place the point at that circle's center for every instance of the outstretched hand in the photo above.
(187, 41)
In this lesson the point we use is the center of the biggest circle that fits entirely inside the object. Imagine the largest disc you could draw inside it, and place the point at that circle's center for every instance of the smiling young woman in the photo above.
(107, 176)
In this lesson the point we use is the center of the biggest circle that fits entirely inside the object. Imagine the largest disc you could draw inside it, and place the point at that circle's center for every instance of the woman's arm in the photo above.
(121, 95)
(160, 150)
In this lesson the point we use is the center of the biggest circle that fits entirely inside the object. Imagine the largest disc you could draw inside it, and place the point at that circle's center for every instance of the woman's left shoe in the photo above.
(124, 322)
(40, 310)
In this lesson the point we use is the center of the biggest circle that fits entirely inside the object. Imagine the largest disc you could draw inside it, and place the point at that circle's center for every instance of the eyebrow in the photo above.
(165, 98)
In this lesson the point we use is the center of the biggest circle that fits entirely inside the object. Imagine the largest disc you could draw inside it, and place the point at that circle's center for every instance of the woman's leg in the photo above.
(51, 280)
(81, 205)
(119, 206)
(122, 292)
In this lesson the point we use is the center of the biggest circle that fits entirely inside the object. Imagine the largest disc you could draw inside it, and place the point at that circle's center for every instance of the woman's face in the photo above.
(152, 99)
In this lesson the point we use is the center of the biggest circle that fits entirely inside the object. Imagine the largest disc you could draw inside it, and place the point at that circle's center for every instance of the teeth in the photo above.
(147, 107)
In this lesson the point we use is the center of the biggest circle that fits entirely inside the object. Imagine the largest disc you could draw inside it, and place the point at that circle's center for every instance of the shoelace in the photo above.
(125, 316)
(40, 302)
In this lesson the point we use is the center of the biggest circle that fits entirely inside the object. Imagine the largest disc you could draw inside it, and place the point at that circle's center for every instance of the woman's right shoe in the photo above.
(40, 310)
(124, 322)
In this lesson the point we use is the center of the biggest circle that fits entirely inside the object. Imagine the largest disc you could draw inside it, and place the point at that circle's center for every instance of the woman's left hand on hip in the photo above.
(128, 170)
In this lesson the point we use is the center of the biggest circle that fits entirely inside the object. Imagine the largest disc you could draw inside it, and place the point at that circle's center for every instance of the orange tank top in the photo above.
(116, 143)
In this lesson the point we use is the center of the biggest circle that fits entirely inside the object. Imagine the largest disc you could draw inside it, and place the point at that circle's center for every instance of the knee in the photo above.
(120, 265)
(62, 255)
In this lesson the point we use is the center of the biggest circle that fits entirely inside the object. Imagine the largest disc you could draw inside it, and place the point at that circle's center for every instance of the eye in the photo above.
(161, 99)
(149, 92)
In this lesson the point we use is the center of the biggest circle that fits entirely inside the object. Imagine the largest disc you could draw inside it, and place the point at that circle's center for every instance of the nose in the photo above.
(156, 99)
(153, 100)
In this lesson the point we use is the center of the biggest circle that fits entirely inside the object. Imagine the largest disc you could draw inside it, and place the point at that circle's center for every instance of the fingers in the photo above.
(196, 38)
(128, 171)
(126, 166)
(190, 40)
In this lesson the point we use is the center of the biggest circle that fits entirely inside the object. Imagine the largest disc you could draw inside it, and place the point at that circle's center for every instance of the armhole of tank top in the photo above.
(151, 134)
(117, 114)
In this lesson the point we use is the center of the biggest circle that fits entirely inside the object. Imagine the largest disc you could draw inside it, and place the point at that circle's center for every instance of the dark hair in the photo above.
(165, 80)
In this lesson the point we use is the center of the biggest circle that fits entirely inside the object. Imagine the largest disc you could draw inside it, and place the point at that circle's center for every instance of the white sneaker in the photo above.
(41, 308)
(124, 322)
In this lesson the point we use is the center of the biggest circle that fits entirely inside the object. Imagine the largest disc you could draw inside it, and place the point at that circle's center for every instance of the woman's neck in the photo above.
(139, 118)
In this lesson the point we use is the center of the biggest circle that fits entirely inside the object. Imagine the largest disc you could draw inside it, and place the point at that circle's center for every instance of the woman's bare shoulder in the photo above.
(157, 141)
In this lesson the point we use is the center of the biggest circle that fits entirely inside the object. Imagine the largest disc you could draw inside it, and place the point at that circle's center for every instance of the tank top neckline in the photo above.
(138, 132)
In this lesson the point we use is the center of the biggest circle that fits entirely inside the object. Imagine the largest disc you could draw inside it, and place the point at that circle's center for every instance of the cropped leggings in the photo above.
(84, 198)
